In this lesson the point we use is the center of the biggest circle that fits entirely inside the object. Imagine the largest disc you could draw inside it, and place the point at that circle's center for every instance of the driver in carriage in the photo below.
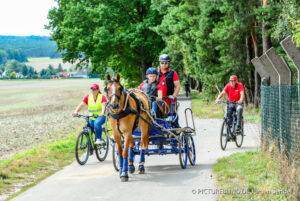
(168, 84)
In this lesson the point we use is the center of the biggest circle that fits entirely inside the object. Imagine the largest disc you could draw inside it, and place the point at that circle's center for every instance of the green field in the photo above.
(43, 62)
(25, 169)
(37, 130)
(251, 176)
(38, 111)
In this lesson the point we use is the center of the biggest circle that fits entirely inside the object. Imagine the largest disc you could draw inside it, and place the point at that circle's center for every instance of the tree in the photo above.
(12, 75)
(108, 33)
(16, 54)
(2, 69)
(60, 68)
(51, 70)
(13, 65)
(3, 57)
(31, 73)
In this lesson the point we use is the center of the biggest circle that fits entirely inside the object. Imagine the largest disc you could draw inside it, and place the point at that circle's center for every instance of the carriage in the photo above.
(165, 137)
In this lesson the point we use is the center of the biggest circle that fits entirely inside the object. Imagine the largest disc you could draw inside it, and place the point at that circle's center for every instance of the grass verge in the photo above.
(28, 168)
(250, 176)
(205, 107)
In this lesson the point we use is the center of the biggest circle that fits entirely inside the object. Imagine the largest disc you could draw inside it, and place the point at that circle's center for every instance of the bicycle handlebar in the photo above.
(228, 102)
(85, 116)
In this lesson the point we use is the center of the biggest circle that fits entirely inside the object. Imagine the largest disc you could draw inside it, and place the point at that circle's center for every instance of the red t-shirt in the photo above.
(86, 99)
(234, 93)
(162, 86)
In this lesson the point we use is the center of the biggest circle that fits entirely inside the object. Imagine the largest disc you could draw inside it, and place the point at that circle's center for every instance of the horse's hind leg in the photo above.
(131, 167)
(144, 126)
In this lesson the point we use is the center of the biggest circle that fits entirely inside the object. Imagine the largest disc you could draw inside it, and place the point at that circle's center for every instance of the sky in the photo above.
(24, 17)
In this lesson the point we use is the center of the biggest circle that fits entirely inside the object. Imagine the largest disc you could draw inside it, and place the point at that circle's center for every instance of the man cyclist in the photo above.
(149, 86)
(95, 102)
(235, 97)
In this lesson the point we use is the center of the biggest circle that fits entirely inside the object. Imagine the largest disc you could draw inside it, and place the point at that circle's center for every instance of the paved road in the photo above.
(164, 179)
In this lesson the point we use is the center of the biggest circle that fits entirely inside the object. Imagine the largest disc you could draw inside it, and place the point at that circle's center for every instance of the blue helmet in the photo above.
(151, 70)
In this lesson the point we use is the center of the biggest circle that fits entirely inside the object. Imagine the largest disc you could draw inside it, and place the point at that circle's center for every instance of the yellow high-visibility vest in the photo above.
(95, 108)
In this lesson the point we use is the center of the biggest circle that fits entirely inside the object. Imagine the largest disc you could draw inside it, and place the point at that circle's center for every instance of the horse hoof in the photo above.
(124, 178)
(131, 169)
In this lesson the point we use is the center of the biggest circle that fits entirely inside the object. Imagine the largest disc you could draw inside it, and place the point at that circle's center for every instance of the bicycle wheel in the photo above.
(115, 157)
(239, 138)
(82, 148)
(183, 151)
(223, 136)
(102, 150)
(192, 150)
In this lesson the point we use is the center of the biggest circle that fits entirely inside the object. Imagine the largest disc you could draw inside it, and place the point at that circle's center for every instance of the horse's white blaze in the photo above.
(113, 88)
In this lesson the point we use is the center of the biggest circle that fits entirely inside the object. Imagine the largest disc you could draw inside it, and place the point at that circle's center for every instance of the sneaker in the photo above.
(99, 142)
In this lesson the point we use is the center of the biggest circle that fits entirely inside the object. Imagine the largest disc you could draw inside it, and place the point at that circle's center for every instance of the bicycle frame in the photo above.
(87, 129)
(230, 128)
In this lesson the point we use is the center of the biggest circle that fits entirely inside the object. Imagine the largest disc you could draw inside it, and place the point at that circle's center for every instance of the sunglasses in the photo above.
(164, 62)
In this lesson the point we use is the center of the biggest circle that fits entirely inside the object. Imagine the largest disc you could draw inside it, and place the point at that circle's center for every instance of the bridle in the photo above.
(114, 94)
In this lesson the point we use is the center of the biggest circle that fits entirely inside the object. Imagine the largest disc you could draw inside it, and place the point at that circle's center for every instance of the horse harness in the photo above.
(129, 110)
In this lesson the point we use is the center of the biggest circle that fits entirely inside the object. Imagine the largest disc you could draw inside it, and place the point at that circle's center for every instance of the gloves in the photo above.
(171, 97)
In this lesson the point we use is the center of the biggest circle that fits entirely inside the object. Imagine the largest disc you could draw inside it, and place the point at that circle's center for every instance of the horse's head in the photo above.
(114, 91)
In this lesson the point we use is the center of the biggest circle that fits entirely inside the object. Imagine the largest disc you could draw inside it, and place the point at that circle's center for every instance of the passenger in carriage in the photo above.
(149, 86)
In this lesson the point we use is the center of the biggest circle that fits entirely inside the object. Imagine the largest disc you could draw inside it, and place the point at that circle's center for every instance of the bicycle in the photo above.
(228, 132)
(85, 143)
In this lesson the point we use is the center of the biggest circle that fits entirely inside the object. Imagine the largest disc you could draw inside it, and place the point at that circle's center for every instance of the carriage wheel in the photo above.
(115, 157)
(191, 150)
(102, 150)
(183, 150)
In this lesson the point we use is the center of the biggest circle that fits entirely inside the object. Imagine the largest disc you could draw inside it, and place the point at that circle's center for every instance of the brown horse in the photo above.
(127, 111)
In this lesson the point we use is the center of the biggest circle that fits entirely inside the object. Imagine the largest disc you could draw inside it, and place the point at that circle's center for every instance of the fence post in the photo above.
(259, 67)
(268, 67)
(280, 66)
(293, 52)
(284, 96)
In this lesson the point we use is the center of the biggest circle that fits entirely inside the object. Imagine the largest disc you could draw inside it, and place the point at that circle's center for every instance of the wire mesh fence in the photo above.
(281, 119)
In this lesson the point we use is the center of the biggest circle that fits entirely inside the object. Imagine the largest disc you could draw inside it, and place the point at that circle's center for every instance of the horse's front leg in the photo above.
(131, 167)
(124, 174)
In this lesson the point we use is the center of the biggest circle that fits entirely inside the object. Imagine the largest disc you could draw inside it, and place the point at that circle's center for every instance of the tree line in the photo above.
(12, 54)
(13, 69)
(206, 39)
(29, 46)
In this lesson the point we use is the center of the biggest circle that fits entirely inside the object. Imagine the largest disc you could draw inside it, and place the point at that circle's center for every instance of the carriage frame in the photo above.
(165, 138)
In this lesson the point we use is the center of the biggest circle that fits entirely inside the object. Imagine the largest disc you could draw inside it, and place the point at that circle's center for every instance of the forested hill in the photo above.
(30, 46)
